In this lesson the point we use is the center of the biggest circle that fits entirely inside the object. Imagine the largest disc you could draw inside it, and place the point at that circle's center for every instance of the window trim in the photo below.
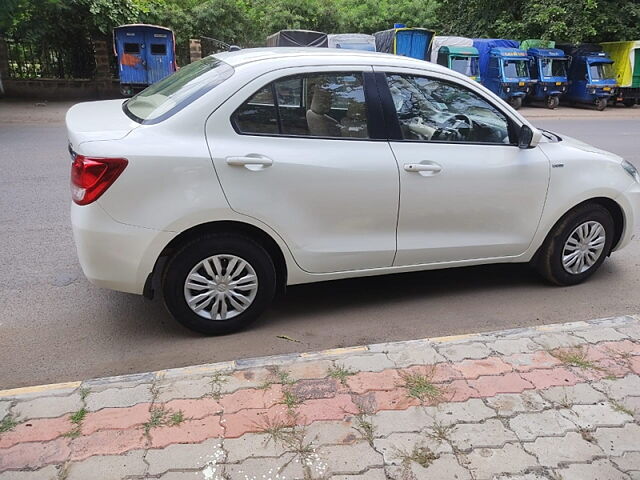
(391, 115)
(375, 122)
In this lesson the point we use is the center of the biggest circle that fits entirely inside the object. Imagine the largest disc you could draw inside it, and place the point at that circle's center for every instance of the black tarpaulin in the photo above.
(297, 38)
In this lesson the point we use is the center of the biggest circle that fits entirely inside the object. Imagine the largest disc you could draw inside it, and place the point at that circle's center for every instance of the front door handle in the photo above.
(430, 167)
(250, 161)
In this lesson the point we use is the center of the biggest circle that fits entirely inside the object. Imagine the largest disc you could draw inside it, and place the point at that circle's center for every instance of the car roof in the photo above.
(298, 56)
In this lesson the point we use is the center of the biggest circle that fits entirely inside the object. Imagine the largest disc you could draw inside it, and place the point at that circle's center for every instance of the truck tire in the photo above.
(601, 104)
(553, 102)
(515, 102)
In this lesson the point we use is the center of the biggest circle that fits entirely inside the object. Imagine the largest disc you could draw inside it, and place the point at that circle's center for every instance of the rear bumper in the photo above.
(630, 203)
(114, 255)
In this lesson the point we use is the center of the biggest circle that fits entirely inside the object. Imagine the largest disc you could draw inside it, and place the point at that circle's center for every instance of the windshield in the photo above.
(164, 98)
(553, 67)
(516, 68)
(466, 65)
(601, 71)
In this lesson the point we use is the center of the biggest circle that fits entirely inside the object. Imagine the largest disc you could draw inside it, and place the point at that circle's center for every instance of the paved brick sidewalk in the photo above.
(554, 402)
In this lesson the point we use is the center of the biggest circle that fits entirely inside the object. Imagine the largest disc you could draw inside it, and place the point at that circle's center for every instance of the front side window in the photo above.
(516, 68)
(436, 110)
(131, 47)
(601, 71)
(553, 67)
(466, 65)
(171, 94)
(158, 49)
(315, 105)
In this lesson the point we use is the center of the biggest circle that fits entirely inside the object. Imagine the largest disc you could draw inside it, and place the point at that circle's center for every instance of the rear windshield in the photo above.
(166, 97)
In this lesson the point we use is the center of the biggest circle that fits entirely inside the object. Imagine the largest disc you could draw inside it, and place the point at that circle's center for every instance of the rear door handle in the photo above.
(254, 161)
(430, 167)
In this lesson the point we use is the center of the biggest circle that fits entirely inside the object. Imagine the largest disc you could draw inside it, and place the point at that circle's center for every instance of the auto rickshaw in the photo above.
(456, 53)
(591, 76)
(626, 56)
(548, 68)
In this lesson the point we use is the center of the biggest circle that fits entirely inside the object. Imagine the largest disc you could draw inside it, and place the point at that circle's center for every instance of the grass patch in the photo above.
(340, 373)
(157, 418)
(78, 417)
(8, 423)
(574, 357)
(84, 393)
(277, 376)
(364, 427)
(216, 383)
(290, 399)
(176, 418)
(420, 454)
(619, 407)
(421, 387)
(440, 432)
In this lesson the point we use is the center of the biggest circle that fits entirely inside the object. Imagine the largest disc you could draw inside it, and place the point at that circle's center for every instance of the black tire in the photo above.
(548, 260)
(629, 102)
(601, 104)
(515, 102)
(552, 102)
(190, 254)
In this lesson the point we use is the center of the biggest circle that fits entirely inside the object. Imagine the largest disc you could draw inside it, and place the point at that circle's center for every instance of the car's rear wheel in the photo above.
(577, 245)
(219, 283)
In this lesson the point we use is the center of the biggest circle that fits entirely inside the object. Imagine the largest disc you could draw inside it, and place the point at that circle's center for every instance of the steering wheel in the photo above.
(451, 128)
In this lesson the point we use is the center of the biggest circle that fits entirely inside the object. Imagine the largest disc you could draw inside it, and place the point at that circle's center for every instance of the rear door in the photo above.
(157, 55)
(133, 62)
(303, 151)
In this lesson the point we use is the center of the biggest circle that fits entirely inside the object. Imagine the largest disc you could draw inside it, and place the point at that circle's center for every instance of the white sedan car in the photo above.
(251, 170)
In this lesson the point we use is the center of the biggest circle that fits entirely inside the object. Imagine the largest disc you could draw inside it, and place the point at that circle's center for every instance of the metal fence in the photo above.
(27, 60)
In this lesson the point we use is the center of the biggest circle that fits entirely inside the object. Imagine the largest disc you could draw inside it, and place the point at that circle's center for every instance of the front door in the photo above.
(301, 152)
(466, 191)
(157, 57)
(133, 64)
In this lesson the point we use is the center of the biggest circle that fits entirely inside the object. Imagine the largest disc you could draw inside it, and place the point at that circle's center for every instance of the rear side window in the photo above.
(131, 47)
(170, 95)
(328, 105)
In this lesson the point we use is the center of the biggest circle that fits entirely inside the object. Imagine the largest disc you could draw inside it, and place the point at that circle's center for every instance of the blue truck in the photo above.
(504, 69)
(146, 54)
(549, 69)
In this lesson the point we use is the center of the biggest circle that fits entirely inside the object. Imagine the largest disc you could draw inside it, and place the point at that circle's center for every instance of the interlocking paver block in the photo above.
(599, 415)
(34, 455)
(4, 409)
(446, 467)
(554, 377)
(333, 433)
(484, 366)
(44, 407)
(507, 404)
(473, 410)
(618, 440)
(353, 458)
(620, 388)
(185, 456)
(189, 431)
(580, 393)
(598, 470)
(529, 426)
(47, 473)
(550, 341)
(510, 346)
(486, 463)
(107, 442)
(251, 445)
(192, 388)
(373, 474)
(462, 351)
(116, 397)
(490, 434)
(108, 467)
(627, 462)
(395, 446)
(414, 355)
(373, 362)
(632, 331)
(595, 335)
(288, 466)
(524, 362)
(552, 451)
(413, 419)
(492, 385)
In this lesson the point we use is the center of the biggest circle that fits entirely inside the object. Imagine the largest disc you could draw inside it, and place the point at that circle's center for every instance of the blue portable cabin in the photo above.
(405, 41)
(591, 76)
(146, 54)
(549, 68)
(504, 69)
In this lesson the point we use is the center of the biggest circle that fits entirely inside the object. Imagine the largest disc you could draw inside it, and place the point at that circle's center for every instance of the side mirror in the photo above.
(525, 137)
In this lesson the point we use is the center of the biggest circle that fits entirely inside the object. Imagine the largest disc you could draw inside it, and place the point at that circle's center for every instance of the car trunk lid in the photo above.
(95, 121)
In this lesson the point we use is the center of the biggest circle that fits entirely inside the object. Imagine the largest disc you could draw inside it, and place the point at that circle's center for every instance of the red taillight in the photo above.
(90, 177)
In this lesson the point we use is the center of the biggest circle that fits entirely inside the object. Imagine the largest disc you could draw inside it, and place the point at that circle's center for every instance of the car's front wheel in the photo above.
(577, 245)
(219, 283)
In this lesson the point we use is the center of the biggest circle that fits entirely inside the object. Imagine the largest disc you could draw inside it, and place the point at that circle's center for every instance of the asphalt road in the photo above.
(55, 326)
